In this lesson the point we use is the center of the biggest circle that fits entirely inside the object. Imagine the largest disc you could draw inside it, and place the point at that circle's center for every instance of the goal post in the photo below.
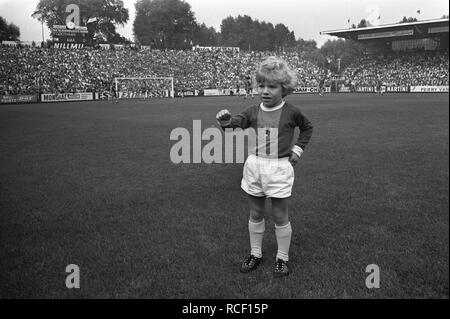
(144, 87)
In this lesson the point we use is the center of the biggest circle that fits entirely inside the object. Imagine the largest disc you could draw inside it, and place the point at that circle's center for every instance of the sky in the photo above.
(307, 18)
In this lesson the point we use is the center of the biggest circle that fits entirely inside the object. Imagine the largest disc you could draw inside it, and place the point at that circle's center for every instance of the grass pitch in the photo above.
(92, 184)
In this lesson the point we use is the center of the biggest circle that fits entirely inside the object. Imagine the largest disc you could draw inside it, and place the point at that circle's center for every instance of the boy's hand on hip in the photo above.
(293, 159)
(224, 117)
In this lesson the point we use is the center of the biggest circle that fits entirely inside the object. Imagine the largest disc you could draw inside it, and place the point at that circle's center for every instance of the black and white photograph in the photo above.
(224, 154)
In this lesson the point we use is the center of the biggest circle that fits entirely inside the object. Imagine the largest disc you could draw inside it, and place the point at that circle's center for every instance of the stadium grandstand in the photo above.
(400, 58)
(427, 35)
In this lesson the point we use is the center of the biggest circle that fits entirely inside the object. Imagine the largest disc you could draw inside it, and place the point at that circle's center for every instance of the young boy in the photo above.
(272, 175)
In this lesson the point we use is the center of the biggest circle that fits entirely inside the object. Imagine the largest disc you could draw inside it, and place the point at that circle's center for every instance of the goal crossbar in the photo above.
(172, 93)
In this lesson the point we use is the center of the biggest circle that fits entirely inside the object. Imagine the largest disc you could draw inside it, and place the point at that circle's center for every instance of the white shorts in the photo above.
(267, 177)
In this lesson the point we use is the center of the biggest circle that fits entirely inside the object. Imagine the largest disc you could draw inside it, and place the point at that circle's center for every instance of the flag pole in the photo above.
(38, 15)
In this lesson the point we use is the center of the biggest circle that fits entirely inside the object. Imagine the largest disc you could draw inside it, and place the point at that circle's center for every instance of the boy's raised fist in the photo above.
(224, 117)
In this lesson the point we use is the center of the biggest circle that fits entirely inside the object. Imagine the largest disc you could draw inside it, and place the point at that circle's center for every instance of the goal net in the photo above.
(144, 87)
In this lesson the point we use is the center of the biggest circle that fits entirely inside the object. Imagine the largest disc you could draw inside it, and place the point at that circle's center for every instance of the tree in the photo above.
(205, 36)
(445, 16)
(106, 14)
(236, 31)
(3, 29)
(347, 51)
(309, 51)
(305, 45)
(8, 32)
(262, 36)
(406, 20)
(164, 24)
(14, 32)
(283, 37)
(363, 24)
(246, 33)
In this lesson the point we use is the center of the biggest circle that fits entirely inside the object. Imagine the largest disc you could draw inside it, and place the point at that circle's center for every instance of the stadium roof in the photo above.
(418, 29)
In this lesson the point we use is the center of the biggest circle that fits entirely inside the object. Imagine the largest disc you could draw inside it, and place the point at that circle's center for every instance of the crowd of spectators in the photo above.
(399, 69)
(30, 70)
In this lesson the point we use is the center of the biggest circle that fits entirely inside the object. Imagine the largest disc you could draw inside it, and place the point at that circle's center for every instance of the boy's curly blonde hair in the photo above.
(275, 70)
